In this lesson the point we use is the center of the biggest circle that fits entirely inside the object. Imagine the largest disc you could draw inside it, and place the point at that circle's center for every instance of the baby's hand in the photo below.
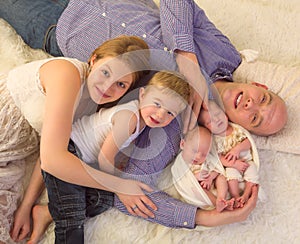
(206, 183)
(202, 175)
(240, 165)
(232, 155)
(227, 162)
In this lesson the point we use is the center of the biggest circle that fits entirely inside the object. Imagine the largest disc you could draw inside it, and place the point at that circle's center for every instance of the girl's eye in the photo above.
(105, 73)
(121, 84)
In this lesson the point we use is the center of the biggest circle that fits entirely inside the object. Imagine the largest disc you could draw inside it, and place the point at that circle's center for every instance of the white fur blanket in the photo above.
(272, 28)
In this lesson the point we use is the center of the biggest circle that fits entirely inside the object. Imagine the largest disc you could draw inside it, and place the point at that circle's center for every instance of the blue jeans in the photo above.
(70, 204)
(35, 21)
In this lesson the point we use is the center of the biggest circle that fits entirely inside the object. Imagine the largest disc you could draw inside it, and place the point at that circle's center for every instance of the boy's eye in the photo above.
(105, 73)
(170, 113)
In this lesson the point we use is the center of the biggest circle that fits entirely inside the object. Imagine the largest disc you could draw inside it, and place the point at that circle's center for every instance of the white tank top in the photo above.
(89, 132)
(25, 88)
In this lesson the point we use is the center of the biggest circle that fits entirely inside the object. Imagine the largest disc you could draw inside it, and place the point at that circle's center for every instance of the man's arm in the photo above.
(172, 212)
(177, 31)
(213, 218)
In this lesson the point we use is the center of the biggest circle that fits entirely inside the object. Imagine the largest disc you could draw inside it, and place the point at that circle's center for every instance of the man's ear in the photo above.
(260, 85)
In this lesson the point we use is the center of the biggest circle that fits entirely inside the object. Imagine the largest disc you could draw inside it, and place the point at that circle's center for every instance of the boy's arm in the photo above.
(123, 125)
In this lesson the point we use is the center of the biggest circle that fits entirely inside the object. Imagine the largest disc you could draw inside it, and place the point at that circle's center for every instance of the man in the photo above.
(84, 24)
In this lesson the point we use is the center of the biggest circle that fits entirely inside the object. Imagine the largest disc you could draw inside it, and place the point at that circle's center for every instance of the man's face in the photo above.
(253, 107)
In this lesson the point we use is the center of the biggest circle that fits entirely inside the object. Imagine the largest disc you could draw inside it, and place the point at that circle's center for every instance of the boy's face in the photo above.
(157, 108)
(195, 151)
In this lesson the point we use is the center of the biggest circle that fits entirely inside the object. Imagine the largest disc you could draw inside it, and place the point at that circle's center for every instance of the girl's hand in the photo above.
(134, 199)
(21, 225)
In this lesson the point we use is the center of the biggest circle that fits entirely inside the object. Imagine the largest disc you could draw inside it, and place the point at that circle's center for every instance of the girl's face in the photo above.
(157, 108)
(109, 79)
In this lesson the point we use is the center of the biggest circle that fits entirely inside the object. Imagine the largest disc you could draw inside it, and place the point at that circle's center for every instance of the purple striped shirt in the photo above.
(180, 24)
(156, 148)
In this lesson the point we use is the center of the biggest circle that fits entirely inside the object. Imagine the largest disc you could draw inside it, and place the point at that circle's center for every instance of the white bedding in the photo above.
(272, 28)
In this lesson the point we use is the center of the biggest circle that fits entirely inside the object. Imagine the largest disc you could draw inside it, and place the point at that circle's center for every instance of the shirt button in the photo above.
(104, 14)
(144, 35)
(165, 49)
(123, 24)
(185, 223)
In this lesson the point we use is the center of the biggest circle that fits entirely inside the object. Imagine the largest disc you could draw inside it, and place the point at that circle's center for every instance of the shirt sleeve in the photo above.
(170, 212)
(156, 148)
(177, 18)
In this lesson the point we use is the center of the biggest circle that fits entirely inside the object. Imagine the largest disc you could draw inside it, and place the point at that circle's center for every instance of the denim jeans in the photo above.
(35, 21)
(70, 204)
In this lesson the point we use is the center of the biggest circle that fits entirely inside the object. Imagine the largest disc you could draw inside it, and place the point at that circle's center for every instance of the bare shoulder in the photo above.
(59, 66)
(59, 72)
(126, 119)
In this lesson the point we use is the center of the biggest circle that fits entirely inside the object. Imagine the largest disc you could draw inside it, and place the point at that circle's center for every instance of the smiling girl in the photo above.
(40, 101)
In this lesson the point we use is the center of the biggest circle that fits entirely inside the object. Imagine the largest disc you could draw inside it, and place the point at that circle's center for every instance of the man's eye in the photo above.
(264, 99)
(254, 118)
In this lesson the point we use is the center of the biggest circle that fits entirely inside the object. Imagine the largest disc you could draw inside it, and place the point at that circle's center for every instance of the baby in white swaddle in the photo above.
(236, 151)
(204, 172)
(196, 172)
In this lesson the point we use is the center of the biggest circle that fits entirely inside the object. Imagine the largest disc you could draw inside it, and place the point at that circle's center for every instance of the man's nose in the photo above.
(249, 103)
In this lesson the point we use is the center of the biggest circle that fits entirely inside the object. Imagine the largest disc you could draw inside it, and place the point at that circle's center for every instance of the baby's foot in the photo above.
(242, 200)
(230, 204)
(41, 220)
(220, 205)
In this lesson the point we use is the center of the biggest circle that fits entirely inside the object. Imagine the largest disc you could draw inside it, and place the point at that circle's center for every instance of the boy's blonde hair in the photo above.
(130, 49)
(170, 82)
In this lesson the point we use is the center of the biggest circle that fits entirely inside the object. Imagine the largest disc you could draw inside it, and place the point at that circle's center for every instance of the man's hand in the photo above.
(188, 65)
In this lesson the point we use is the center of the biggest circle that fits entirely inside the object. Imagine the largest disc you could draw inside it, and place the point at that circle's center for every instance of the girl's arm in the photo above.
(61, 82)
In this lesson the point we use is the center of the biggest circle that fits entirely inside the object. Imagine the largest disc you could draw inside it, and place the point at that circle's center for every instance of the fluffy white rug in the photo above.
(270, 27)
